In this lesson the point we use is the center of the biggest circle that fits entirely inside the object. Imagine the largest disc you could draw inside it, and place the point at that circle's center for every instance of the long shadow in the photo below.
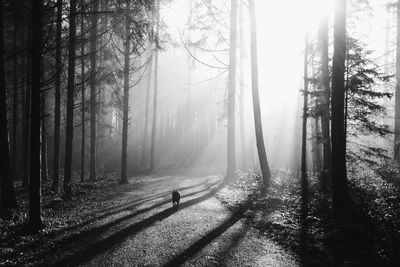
(79, 254)
(205, 240)
(234, 242)
(101, 228)
(133, 204)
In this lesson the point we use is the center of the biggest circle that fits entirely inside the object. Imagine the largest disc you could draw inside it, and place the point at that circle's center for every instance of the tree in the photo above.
(231, 145)
(262, 155)
(57, 100)
(363, 106)
(27, 106)
(43, 137)
(305, 115)
(241, 86)
(83, 99)
(15, 92)
(125, 117)
(325, 99)
(153, 128)
(146, 114)
(70, 101)
(35, 220)
(339, 172)
(93, 94)
(397, 93)
(8, 199)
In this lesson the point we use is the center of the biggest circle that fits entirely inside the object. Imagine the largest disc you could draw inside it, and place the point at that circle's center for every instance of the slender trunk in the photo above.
(125, 118)
(188, 133)
(70, 101)
(27, 108)
(146, 115)
(93, 95)
(387, 54)
(57, 100)
(339, 175)
(241, 85)
(317, 151)
(397, 93)
(83, 106)
(262, 155)
(15, 96)
(304, 180)
(231, 149)
(35, 209)
(43, 144)
(153, 128)
(8, 199)
(325, 102)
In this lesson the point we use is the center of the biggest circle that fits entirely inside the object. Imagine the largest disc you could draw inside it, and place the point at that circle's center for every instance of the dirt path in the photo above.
(201, 233)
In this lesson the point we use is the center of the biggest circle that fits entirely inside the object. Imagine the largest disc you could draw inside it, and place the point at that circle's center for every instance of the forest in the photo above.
(199, 133)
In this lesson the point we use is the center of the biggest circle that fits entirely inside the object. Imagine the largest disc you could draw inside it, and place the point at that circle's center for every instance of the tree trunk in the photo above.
(43, 143)
(262, 155)
(304, 180)
(397, 93)
(125, 118)
(93, 94)
(57, 100)
(231, 149)
(153, 128)
(70, 101)
(35, 209)
(339, 173)
(83, 106)
(241, 85)
(27, 108)
(8, 199)
(146, 114)
(317, 161)
(325, 114)
(15, 94)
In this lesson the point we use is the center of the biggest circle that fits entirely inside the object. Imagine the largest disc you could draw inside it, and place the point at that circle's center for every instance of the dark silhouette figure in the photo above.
(176, 196)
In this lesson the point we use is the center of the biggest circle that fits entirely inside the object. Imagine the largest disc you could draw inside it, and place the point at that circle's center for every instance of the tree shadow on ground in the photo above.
(209, 237)
(85, 246)
(107, 212)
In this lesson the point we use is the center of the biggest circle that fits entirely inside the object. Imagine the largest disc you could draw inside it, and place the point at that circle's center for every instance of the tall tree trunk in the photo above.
(70, 101)
(125, 117)
(93, 94)
(397, 94)
(231, 149)
(83, 106)
(188, 133)
(43, 143)
(146, 114)
(15, 94)
(27, 108)
(8, 199)
(57, 100)
(241, 85)
(339, 173)
(325, 99)
(317, 162)
(35, 209)
(304, 180)
(262, 155)
(153, 128)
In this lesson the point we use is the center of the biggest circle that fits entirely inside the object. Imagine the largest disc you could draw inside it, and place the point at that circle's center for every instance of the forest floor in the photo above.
(110, 224)
(107, 224)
